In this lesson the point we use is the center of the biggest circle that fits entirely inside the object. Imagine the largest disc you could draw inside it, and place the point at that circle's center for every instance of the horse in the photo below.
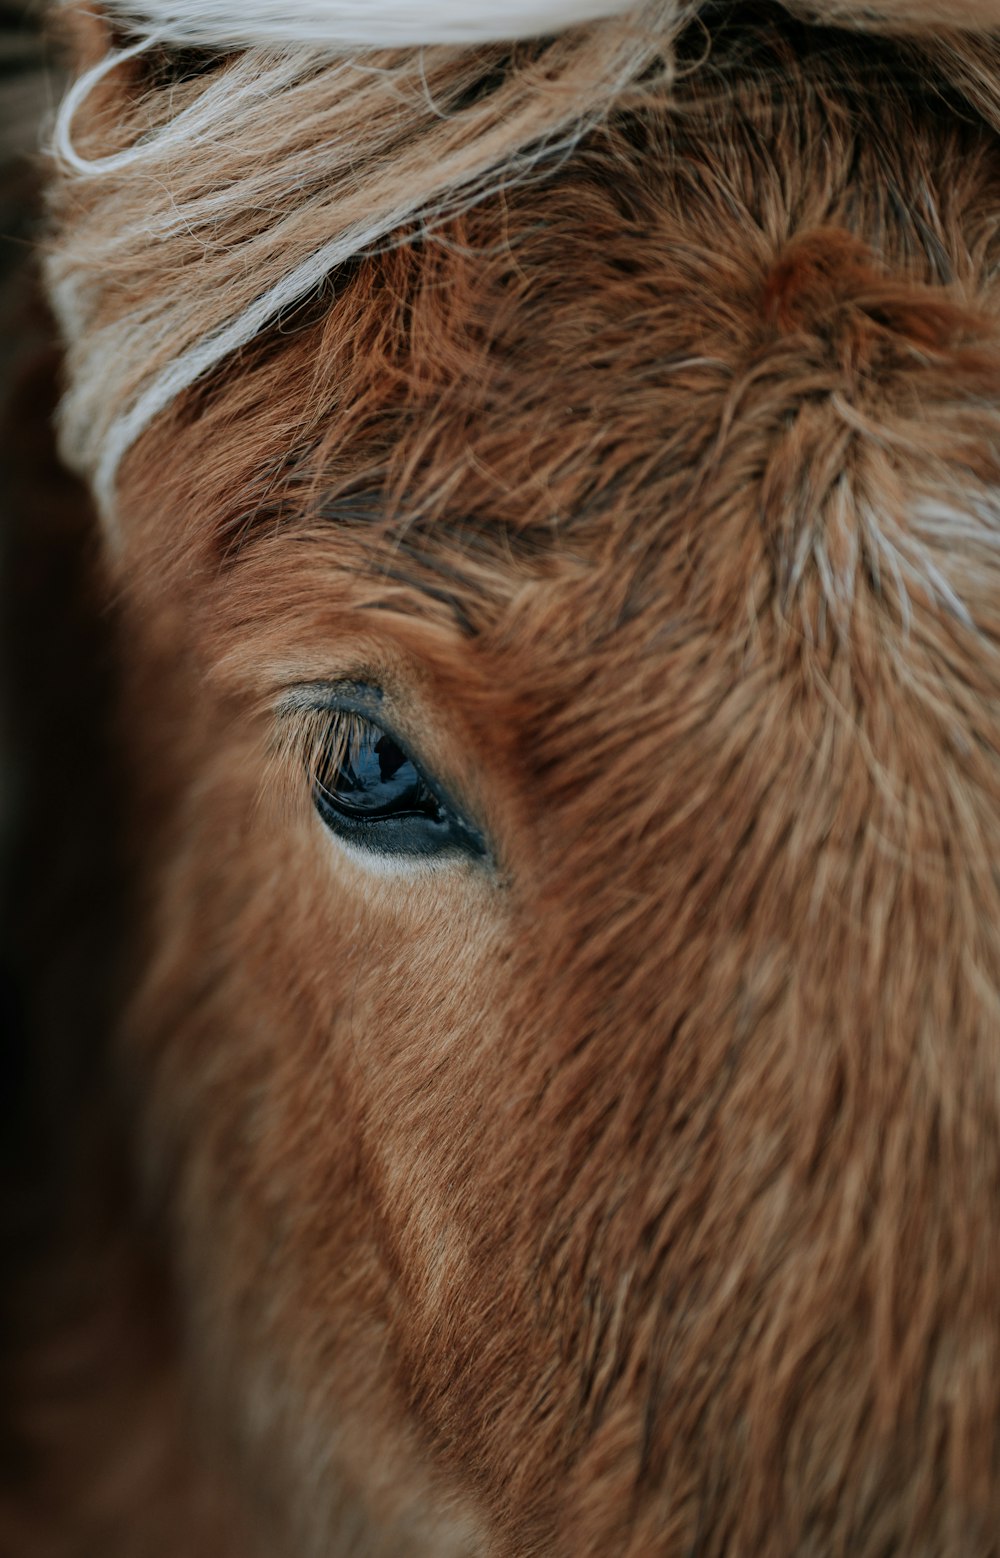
(545, 464)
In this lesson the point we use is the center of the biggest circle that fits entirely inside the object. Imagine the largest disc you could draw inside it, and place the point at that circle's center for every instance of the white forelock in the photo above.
(353, 24)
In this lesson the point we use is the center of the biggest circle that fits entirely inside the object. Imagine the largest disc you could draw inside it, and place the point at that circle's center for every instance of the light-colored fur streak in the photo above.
(352, 24)
(613, 415)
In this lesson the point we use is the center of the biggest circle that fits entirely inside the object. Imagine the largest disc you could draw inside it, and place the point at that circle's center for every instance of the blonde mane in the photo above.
(333, 25)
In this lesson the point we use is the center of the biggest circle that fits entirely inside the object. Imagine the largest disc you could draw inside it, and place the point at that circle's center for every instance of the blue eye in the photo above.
(369, 791)
(373, 778)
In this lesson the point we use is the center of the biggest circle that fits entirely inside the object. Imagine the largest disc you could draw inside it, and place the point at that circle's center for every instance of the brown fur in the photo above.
(641, 1195)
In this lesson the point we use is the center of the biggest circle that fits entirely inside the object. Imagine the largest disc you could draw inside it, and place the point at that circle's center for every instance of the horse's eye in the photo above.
(370, 792)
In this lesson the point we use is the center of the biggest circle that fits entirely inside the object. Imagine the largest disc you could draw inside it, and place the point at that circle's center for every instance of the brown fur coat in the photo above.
(635, 1191)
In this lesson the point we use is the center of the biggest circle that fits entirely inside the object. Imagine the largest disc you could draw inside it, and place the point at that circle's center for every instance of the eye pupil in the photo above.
(390, 758)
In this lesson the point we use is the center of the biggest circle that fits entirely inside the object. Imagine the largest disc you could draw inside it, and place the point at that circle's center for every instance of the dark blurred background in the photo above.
(59, 887)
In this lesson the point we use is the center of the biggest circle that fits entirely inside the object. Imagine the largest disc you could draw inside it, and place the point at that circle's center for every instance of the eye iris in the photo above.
(370, 776)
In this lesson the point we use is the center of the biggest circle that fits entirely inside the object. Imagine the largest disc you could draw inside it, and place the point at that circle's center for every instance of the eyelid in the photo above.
(354, 697)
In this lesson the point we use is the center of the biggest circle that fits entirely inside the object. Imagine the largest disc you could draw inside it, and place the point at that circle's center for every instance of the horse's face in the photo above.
(553, 666)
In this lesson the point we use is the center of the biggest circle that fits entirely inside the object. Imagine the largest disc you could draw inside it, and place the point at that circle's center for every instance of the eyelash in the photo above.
(372, 794)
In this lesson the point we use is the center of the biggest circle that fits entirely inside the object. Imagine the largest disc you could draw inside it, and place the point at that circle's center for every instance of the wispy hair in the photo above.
(212, 203)
(337, 24)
